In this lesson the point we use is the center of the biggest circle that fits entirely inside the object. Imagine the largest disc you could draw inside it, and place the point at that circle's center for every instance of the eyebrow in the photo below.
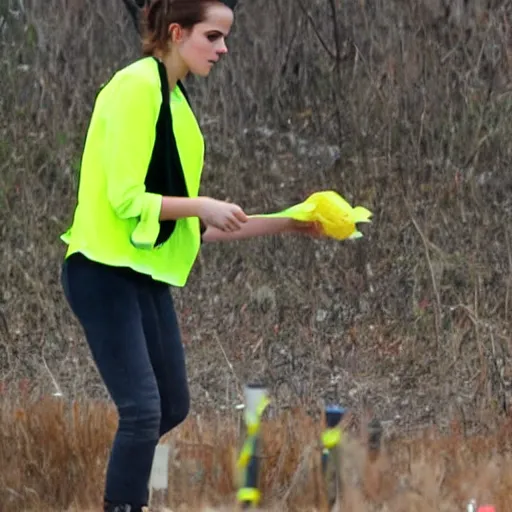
(216, 31)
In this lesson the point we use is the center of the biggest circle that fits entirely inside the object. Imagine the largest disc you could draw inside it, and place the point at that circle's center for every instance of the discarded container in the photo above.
(471, 506)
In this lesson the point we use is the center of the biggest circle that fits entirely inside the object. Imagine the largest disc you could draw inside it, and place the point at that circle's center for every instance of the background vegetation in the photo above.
(404, 107)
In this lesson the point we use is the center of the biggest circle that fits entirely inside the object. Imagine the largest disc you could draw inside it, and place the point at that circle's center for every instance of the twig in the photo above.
(368, 72)
(299, 472)
(437, 315)
(54, 380)
(337, 42)
(240, 395)
(4, 326)
(331, 54)
(509, 280)
(134, 8)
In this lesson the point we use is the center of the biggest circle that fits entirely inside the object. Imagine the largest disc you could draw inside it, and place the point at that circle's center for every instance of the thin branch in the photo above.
(230, 366)
(337, 43)
(315, 30)
(134, 7)
(4, 326)
(336, 32)
(425, 242)
(58, 389)
(509, 279)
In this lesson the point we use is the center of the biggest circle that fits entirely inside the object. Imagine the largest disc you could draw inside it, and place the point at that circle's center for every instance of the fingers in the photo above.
(240, 214)
(230, 224)
(236, 218)
(227, 217)
(318, 230)
(313, 229)
(306, 226)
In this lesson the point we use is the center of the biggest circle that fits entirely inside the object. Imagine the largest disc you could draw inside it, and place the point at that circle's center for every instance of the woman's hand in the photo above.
(227, 217)
(312, 229)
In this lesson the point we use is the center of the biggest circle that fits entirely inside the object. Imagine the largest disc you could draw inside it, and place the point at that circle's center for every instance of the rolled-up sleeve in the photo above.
(130, 120)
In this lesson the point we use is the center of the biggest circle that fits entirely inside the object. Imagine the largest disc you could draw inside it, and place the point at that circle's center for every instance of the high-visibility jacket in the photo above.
(143, 142)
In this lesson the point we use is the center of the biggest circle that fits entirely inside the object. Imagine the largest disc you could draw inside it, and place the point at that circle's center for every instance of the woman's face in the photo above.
(202, 46)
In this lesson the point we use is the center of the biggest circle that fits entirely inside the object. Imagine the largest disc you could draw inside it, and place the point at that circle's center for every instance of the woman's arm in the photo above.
(261, 226)
(174, 208)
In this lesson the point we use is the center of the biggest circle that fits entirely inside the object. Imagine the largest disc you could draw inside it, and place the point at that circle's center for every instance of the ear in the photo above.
(175, 32)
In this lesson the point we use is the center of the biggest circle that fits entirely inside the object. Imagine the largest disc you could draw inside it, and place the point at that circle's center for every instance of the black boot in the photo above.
(120, 507)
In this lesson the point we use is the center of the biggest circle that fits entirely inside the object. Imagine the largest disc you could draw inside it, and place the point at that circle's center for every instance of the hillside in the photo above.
(404, 107)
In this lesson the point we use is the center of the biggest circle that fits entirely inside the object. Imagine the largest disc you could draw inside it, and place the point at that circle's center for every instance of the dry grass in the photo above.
(53, 456)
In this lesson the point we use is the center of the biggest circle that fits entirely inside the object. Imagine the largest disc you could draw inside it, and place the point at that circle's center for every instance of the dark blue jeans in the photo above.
(131, 327)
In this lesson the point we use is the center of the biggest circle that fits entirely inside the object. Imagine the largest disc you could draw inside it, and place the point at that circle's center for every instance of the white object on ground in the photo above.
(159, 478)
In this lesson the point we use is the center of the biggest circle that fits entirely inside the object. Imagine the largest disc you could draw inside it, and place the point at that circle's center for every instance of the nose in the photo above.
(223, 49)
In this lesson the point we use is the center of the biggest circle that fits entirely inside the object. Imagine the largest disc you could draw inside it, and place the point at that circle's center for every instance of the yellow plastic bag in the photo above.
(333, 212)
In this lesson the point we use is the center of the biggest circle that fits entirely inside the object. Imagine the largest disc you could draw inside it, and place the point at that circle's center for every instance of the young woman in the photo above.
(138, 226)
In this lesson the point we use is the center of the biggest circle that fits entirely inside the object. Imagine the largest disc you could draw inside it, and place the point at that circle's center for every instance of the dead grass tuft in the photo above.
(53, 457)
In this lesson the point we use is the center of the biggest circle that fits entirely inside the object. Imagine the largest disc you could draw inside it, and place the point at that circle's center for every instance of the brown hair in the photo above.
(157, 15)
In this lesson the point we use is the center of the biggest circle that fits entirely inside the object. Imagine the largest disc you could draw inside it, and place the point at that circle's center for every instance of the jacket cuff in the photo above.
(146, 232)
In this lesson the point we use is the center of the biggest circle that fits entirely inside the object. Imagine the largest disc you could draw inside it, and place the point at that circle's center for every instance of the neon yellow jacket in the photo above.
(116, 220)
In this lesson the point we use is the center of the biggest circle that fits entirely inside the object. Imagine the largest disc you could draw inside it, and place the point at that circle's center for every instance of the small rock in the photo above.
(321, 315)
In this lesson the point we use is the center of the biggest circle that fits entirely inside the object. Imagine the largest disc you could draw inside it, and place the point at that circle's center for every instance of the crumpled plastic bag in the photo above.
(337, 217)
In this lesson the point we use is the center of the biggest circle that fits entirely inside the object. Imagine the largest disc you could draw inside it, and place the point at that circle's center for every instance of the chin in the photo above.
(202, 73)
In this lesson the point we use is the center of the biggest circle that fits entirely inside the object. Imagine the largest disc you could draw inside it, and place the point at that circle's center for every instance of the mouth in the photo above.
(213, 61)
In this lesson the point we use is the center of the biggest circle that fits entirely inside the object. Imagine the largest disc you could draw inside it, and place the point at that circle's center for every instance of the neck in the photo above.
(174, 67)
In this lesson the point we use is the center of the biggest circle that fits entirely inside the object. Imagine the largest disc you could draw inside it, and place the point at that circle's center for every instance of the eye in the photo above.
(213, 37)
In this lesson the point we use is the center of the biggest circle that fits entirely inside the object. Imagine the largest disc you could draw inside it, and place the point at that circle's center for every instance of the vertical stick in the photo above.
(256, 400)
(331, 453)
